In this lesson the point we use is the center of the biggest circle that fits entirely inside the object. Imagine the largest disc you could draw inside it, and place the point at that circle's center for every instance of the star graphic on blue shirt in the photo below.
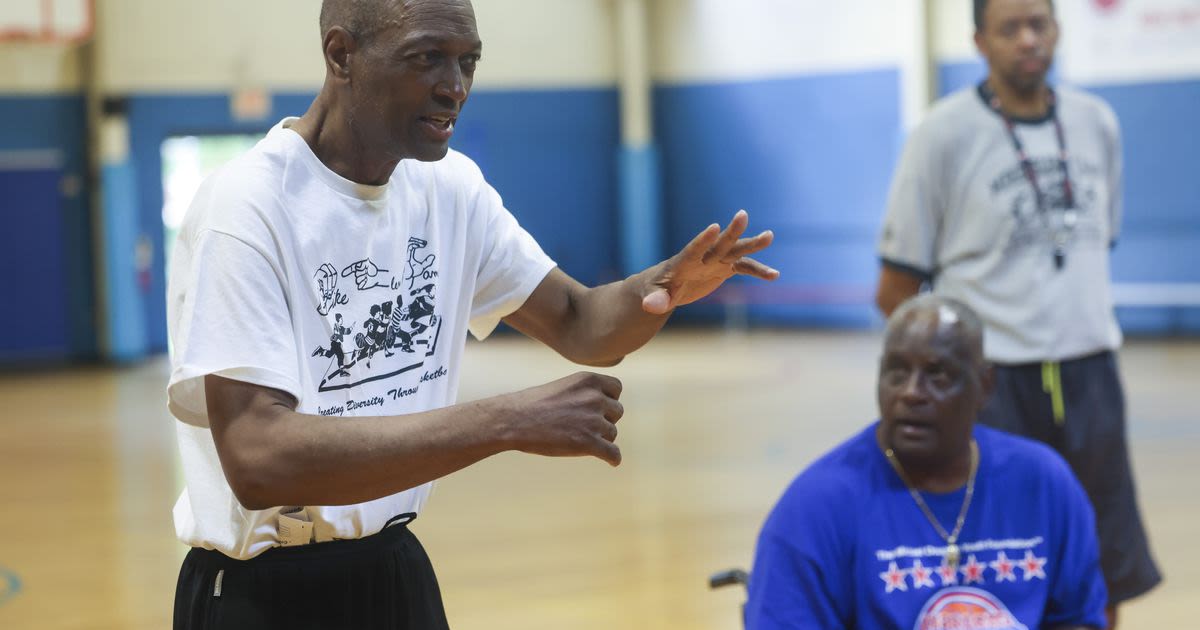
(1033, 566)
(1003, 568)
(948, 573)
(973, 571)
(921, 575)
(894, 578)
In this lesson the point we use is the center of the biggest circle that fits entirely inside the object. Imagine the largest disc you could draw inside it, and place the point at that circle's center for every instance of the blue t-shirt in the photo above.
(847, 547)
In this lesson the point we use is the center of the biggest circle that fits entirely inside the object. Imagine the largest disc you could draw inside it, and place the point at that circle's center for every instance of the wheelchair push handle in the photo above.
(727, 578)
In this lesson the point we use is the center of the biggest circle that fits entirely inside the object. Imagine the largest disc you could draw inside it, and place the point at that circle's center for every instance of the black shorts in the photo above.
(1085, 423)
(383, 581)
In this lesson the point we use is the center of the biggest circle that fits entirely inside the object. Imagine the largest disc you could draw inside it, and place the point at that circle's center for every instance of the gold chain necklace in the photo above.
(952, 551)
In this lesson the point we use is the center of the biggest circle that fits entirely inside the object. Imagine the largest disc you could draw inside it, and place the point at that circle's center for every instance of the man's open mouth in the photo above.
(444, 122)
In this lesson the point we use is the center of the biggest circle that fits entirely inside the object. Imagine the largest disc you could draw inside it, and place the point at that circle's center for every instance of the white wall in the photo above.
(184, 45)
(38, 68)
(547, 43)
(718, 40)
(953, 31)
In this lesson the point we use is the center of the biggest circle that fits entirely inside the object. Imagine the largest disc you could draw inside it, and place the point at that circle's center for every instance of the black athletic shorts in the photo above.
(1078, 407)
(383, 581)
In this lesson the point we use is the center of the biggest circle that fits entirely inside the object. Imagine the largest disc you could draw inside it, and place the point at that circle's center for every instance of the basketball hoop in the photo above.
(47, 21)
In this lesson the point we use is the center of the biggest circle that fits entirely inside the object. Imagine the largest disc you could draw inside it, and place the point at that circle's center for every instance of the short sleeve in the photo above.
(229, 316)
(913, 219)
(801, 575)
(511, 265)
(1077, 594)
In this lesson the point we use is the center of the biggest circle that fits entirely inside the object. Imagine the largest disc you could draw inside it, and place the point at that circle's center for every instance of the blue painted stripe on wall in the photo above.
(641, 208)
(124, 303)
(1161, 125)
(809, 157)
(953, 77)
(34, 311)
(58, 123)
(1159, 321)
(550, 153)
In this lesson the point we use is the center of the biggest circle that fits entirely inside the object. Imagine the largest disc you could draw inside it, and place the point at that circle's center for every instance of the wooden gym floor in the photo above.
(717, 423)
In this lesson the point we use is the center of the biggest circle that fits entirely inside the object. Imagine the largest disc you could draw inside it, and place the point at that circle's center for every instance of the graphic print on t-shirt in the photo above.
(395, 327)
(1036, 226)
(959, 596)
(965, 608)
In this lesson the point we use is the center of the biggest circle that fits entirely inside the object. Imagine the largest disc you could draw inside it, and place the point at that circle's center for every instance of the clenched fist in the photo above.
(571, 417)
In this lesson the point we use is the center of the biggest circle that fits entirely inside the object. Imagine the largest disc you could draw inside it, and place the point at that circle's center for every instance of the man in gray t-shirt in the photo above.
(1008, 198)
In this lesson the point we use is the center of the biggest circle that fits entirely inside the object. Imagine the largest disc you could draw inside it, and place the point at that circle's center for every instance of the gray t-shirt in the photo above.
(962, 213)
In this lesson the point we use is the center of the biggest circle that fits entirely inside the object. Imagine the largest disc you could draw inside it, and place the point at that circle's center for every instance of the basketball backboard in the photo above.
(67, 21)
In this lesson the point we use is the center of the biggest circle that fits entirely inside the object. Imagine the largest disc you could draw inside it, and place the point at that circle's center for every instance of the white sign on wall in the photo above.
(1112, 41)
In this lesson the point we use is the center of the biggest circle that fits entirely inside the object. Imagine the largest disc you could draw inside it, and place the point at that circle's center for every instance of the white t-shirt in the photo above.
(962, 213)
(354, 299)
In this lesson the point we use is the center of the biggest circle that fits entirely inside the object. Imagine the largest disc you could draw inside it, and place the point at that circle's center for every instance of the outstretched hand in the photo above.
(704, 264)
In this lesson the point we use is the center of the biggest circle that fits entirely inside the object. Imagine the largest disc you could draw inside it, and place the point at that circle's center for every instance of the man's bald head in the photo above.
(361, 18)
(933, 381)
(951, 316)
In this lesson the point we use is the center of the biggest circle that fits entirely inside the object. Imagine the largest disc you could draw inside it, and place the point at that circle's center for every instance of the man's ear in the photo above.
(340, 47)
(980, 44)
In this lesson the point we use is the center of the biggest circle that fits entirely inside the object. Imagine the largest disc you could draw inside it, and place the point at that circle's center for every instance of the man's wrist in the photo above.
(496, 419)
(645, 282)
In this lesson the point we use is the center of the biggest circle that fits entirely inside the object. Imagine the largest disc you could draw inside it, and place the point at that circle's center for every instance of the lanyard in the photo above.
(1062, 235)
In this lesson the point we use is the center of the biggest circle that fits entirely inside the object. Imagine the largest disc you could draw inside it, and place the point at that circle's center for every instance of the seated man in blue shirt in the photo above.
(924, 520)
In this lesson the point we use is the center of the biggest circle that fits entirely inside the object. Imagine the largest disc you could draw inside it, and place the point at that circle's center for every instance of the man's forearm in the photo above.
(600, 326)
(272, 455)
(609, 322)
(894, 288)
(290, 458)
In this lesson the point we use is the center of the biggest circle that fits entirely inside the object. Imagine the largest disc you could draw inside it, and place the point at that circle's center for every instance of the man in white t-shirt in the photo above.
(1008, 198)
(355, 226)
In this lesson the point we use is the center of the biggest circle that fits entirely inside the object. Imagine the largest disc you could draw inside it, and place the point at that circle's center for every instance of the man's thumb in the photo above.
(657, 303)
